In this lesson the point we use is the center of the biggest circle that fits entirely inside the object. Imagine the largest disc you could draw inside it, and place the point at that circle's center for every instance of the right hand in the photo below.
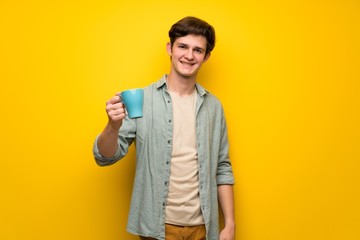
(115, 110)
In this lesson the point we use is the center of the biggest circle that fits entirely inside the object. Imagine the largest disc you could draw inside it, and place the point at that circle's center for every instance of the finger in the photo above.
(114, 106)
(113, 100)
(117, 115)
(115, 109)
(118, 118)
(119, 95)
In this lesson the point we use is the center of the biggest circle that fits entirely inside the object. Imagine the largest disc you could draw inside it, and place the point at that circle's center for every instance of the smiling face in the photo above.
(187, 53)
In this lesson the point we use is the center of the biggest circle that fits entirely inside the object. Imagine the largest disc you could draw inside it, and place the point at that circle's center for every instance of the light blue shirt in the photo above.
(153, 135)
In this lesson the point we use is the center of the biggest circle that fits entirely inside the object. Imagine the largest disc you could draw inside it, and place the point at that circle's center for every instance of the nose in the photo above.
(189, 54)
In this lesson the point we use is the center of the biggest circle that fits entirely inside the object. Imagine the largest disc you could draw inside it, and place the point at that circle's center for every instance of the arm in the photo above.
(226, 200)
(107, 140)
(225, 182)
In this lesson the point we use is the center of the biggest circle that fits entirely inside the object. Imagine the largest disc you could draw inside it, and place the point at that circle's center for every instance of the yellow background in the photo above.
(287, 73)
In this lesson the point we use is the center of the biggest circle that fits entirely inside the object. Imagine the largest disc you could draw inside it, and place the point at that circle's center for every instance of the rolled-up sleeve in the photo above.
(104, 161)
(125, 139)
(224, 171)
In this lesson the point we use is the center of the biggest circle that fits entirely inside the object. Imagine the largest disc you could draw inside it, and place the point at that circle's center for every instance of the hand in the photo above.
(115, 110)
(228, 233)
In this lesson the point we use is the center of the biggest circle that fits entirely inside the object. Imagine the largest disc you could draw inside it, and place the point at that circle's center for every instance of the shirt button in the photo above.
(163, 204)
(170, 121)
(166, 183)
(167, 162)
(169, 141)
(168, 101)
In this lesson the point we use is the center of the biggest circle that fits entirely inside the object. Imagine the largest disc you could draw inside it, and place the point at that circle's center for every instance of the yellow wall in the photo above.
(287, 73)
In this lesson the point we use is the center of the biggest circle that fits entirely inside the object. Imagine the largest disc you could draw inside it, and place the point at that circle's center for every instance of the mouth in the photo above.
(187, 64)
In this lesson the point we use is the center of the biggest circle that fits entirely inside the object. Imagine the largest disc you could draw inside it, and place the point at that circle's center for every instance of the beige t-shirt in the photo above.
(183, 203)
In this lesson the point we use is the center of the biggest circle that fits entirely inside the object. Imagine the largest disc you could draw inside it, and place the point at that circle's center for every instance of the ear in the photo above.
(169, 48)
(207, 56)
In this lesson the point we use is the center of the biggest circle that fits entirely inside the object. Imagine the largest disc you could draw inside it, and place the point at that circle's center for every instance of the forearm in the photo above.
(108, 141)
(226, 200)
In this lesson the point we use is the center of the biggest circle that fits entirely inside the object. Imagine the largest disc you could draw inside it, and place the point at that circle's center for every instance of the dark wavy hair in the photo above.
(196, 26)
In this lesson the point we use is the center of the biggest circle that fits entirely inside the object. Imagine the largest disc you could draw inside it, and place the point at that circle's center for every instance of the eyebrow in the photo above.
(196, 47)
(199, 48)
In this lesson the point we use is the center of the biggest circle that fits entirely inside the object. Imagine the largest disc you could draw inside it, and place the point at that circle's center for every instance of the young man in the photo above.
(183, 169)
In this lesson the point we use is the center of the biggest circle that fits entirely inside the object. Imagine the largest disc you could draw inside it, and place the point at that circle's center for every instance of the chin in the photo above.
(190, 75)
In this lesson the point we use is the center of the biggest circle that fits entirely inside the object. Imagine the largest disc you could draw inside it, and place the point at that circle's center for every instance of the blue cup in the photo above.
(133, 100)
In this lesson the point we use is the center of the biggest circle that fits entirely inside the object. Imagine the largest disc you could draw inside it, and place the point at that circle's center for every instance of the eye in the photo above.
(198, 50)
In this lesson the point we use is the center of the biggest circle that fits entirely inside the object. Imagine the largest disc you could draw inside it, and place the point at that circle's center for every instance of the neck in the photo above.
(180, 85)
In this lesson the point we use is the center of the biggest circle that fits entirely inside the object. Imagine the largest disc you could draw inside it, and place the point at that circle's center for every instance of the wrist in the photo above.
(229, 223)
(113, 128)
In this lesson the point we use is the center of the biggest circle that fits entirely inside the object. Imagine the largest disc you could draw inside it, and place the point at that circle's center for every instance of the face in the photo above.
(187, 55)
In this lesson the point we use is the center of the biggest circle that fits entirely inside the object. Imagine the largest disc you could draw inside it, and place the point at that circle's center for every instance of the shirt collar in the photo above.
(162, 82)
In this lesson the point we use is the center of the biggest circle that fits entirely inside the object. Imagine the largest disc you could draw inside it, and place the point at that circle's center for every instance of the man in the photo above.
(183, 169)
